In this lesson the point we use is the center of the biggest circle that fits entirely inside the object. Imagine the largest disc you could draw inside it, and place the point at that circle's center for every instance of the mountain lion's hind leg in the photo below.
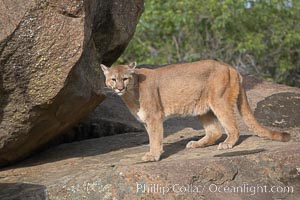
(212, 129)
(224, 112)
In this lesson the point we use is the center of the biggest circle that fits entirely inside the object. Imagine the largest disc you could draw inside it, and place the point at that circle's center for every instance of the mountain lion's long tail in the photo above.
(252, 123)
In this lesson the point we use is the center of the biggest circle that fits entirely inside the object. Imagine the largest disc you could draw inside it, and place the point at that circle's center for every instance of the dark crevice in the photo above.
(67, 14)
(235, 174)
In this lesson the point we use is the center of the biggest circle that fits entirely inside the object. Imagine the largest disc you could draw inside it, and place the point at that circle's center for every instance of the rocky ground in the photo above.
(111, 167)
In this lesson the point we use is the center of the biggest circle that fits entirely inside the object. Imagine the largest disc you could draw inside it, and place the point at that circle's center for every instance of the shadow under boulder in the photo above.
(88, 130)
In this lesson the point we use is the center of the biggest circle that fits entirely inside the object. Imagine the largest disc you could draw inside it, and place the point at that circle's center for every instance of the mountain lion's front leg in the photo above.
(154, 127)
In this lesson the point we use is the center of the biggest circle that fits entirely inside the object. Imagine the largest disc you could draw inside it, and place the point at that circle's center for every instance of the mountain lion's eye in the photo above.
(125, 79)
(113, 79)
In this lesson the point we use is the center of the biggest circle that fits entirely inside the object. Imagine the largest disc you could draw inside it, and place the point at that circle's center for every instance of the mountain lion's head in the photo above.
(118, 78)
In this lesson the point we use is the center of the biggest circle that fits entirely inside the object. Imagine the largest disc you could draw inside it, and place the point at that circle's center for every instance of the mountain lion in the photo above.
(207, 89)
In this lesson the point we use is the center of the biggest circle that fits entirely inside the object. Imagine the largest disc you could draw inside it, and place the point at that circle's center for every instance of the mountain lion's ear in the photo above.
(104, 69)
(132, 67)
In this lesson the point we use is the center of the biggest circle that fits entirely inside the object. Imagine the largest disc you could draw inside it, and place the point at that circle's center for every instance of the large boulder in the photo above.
(50, 52)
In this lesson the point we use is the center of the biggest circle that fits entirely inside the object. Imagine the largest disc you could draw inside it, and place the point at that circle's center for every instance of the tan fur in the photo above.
(208, 89)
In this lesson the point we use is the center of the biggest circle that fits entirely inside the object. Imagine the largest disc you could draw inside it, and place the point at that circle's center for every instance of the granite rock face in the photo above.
(279, 110)
(111, 167)
(50, 53)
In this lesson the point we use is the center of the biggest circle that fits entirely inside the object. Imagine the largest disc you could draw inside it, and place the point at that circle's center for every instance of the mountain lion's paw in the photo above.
(224, 145)
(192, 145)
(149, 157)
